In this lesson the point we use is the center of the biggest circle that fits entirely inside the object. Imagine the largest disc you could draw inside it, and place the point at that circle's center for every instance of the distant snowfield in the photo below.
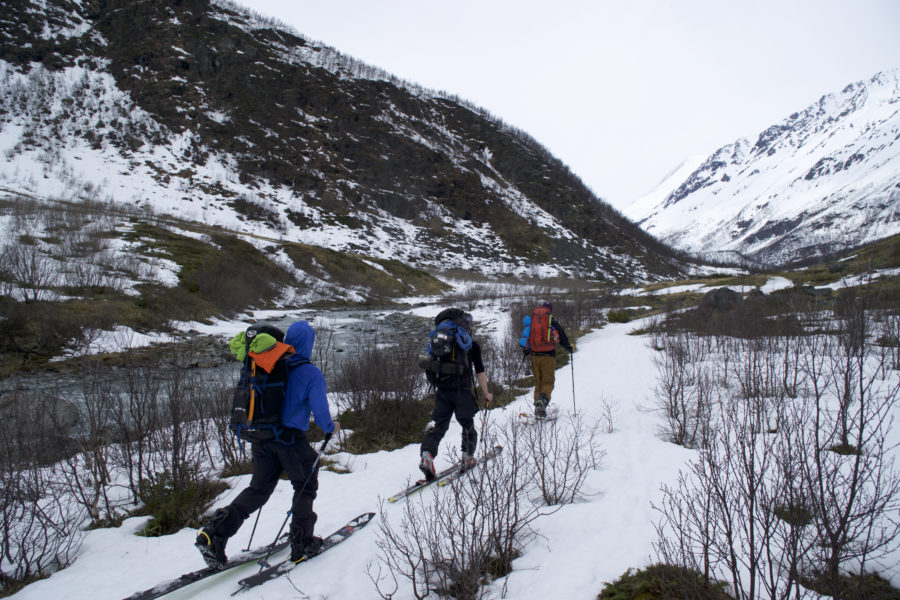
(773, 284)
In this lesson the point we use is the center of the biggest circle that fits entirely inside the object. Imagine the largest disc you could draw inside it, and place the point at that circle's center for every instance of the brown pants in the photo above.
(544, 369)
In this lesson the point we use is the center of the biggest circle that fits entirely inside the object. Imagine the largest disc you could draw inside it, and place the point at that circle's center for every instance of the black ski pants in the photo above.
(270, 459)
(447, 402)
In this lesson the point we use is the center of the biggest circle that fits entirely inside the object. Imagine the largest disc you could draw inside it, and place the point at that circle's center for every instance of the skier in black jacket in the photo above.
(454, 394)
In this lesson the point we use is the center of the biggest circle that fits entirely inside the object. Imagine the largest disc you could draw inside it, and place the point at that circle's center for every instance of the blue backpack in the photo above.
(448, 348)
(526, 333)
(447, 338)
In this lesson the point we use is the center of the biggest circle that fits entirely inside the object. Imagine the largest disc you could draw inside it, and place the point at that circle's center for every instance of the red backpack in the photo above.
(542, 337)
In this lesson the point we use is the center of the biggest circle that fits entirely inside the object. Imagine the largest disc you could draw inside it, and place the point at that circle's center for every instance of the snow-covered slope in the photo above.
(217, 115)
(615, 521)
(824, 179)
(644, 205)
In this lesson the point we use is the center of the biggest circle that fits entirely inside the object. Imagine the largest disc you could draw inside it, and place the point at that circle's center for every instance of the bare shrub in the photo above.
(505, 364)
(40, 527)
(760, 373)
(852, 483)
(219, 444)
(685, 389)
(562, 453)
(467, 534)
(382, 392)
(608, 409)
(134, 419)
(808, 504)
(33, 270)
(720, 519)
(88, 473)
(889, 341)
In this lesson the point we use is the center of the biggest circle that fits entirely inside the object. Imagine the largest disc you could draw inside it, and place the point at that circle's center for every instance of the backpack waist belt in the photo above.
(443, 368)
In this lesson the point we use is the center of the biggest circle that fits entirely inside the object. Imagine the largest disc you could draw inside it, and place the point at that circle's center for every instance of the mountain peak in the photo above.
(823, 179)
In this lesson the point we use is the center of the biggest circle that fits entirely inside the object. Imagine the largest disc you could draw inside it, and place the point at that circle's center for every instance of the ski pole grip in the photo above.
(325, 442)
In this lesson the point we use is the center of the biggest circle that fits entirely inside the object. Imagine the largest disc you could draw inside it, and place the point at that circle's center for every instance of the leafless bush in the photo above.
(178, 428)
(773, 510)
(323, 349)
(759, 372)
(33, 270)
(219, 444)
(607, 414)
(562, 452)
(467, 534)
(685, 388)
(40, 527)
(134, 418)
(88, 473)
(721, 519)
(889, 341)
(504, 362)
(381, 392)
(853, 485)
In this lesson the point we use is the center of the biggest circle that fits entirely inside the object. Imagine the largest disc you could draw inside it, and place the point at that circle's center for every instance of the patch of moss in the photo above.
(391, 280)
(386, 425)
(870, 586)
(663, 582)
(173, 508)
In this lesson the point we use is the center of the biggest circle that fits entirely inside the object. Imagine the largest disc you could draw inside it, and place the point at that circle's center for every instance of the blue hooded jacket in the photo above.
(305, 393)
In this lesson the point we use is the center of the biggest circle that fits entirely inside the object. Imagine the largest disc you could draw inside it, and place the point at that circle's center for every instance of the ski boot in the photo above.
(427, 465)
(307, 549)
(468, 461)
(540, 406)
(212, 547)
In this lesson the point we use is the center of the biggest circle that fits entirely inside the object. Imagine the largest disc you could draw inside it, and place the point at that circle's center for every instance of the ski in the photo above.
(285, 566)
(166, 587)
(530, 418)
(442, 477)
(481, 460)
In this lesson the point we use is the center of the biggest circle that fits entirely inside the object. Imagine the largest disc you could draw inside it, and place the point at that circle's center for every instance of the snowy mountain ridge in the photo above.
(218, 115)
(824, 179)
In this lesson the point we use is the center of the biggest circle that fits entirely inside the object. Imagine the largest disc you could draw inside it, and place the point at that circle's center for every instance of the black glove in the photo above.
(570, 349)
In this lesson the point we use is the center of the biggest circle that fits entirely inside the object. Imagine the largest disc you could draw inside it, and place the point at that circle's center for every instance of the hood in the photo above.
(301, 336)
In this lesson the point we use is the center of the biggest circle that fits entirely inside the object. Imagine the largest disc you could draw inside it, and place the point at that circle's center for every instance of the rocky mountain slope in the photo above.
(206, 112)
(825, 179)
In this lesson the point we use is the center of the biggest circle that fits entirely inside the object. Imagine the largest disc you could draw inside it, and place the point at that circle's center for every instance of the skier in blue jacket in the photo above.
(305, 395)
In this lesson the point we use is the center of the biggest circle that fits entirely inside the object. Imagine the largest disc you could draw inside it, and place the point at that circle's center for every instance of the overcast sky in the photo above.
(621, 91)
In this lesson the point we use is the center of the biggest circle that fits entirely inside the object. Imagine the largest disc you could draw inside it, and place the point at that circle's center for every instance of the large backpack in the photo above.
(542, 337)
(260, 392)
(448, 348)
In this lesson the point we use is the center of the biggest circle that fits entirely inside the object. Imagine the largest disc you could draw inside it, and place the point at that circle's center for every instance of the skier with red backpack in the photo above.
(453, 364)
(540, 337)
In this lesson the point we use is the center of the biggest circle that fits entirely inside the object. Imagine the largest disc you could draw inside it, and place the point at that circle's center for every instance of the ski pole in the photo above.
(572, 365)
(477, 399)
(264, 562)
(252, 533)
